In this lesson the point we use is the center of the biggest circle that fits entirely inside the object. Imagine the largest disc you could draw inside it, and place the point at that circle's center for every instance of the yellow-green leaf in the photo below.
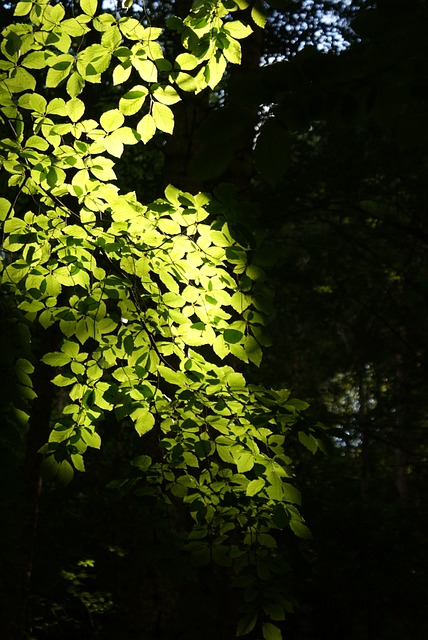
(133, 100)
(111, 120)
(89, 6)
(5, 209)
(146, 68)
(75, 109)
(23, 8)
(237, 29)
(144, 421)
(146, 128)
(255, 486)
(259, 14)
(163, 117)
(166, 95)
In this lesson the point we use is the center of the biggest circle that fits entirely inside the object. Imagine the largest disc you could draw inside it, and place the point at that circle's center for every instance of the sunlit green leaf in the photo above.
(259, 14)
(22, 8)
(111, 120)
(89, 6)
(5, 209)
(146, 68)
(245, 462)
(146, 128)
(237, 29)
(75, 109)
(133, 100)
(255, 486)
(166, 95)
(56, 359)
(144, 421)
(163, 117)
(186, 61)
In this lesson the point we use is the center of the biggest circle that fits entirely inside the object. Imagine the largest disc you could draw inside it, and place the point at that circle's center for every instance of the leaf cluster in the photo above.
(147, 300)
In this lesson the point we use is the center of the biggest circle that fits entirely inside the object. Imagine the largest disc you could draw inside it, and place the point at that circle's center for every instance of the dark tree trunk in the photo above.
(17, 568)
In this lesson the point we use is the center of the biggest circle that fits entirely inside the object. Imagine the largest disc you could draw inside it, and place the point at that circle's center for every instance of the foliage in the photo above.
(142, 302)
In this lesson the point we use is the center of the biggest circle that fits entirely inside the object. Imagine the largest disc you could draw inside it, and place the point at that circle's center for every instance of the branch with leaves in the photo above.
(140, 294)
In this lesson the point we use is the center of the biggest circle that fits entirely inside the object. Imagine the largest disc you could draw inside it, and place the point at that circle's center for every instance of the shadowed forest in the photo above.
(315, 148)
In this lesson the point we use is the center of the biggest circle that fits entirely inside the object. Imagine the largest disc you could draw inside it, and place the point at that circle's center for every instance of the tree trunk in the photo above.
(18, 567)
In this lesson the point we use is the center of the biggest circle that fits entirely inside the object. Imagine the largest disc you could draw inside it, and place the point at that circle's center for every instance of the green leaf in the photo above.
(274, 611)
(93, 61)
(75, 84)
(133, 100)
(36, 60)
(64, 380)
(186, 61)
(308, 441)
(146, 68)
(111, 38)
(121, 73)
(291, 494)
(72, 349)
(142, 462)
(255, 486)
(75, 27)
(246, 624)
(112, 120)
(187, 82)
(5, 209)
(300, 529)
(235, 380)
(36, 142)
(237, 29)
(271, 632)
(144, 421)
(56, 359)
(245, 462)
(166, 95)
(214, 71)
(232, 336)
(56, 107)
(91, 438)
(113, 146)
(65, 472)
(77, 460)
(20, 80)
(12, 44)
(259, 14)
(163, 117)
(89, 6)
(173, 300)
(75, 109)
(266, 540)
(232, 52)
(49, 468)
(280, 516)
(253, 350)
(146, 128)
(23, 8)
(173, 377)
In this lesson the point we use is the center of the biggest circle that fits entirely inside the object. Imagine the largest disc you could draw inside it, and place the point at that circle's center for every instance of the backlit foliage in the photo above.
(146, 299)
